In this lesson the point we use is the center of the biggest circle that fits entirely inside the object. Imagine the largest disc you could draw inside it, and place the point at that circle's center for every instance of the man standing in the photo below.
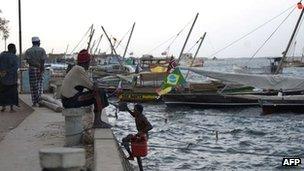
(35, 57)
(8, 78)
(143, 126)
(78, 90)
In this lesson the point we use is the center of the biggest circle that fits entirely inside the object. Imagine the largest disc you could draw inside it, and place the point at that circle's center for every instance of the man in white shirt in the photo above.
(78, 90)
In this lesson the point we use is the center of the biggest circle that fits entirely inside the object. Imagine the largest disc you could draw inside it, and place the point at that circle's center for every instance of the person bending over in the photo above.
(143, 126)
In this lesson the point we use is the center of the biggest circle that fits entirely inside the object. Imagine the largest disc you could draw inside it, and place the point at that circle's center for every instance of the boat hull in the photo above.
(208, 100)
(281, 106)
(139, 97)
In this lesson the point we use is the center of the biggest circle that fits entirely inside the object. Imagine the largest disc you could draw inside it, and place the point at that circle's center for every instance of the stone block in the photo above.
(73, 130)
(106, 156)
(62, 158)
(73, 124)
(103, 134)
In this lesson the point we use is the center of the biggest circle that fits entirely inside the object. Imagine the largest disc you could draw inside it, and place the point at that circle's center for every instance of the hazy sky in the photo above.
(59, 23)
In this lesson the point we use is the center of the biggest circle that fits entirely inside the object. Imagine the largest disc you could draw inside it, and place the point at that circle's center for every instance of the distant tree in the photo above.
(4, 31)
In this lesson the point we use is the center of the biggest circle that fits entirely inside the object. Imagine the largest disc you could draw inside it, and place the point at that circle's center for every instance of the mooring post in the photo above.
(73, 125)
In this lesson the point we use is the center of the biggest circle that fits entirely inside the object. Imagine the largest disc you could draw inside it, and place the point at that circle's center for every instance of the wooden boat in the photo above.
(148, 62)
(294, 63)
(275, 104)
(237, 96)
(144, 88)
(234, 97)
(145, 91)
(142, 97)
(270, 69)
(209, 100)
(269, 104)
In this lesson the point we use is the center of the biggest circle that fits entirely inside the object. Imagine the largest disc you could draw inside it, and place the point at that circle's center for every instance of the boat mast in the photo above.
(280, 66)
(302, 55)
(65, 53)
(112, 46)
(181, 53)
(91, 36)
(98, 44)
(91, 48)
(195, 55)
(199, 47)
(124, 54)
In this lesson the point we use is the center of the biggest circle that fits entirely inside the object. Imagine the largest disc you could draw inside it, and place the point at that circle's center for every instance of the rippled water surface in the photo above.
(185, 138)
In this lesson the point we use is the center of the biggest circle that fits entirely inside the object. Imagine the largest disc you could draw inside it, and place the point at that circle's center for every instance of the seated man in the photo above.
(78, 90)
(142, 126)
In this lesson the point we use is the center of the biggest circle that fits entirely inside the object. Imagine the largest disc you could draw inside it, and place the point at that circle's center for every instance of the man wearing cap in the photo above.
(78, 90)
(35, 57)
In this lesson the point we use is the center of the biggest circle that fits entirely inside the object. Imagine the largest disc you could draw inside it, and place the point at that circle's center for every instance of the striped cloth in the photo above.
(36, 79)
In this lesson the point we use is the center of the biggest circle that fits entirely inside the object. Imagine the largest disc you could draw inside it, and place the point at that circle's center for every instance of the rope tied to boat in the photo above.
(258, 50)
(246, 35)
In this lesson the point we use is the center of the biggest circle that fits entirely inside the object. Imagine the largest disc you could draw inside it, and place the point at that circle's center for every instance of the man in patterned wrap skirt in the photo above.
(35, 57)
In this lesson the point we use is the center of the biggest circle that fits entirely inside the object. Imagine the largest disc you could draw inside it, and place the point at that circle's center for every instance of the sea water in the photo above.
(218, 139)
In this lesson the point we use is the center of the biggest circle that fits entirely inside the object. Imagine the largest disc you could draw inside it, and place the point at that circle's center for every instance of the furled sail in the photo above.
(269, 82)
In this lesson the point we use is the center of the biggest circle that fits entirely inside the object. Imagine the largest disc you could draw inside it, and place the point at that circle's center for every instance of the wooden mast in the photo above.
(112, 47)
(98, 44)
(280, 66)
(199, 47)
(124, 54)
(91, 36)
(182, 51)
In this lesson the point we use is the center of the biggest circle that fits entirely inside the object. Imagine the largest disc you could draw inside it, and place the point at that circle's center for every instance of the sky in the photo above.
(62, 23)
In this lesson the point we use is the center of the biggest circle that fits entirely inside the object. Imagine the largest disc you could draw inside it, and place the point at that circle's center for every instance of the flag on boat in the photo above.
(172, 80)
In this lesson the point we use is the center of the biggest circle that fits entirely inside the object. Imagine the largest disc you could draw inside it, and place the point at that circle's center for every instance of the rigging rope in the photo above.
(194, 45)
(297, 31)
(209, 149)
(257, 28)
(168, 48)
(171, 37)
(110, 48)
(271, 35)
(81, 39)
(219, 151)
(123, 37)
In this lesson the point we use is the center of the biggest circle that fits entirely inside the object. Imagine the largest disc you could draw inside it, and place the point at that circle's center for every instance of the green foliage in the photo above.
(4, 31)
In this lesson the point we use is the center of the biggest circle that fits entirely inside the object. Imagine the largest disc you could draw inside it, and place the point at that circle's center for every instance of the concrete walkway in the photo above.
(19, 148)
(10, 120)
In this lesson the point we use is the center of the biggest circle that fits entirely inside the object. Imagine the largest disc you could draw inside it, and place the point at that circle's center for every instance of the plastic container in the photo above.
(139, 146)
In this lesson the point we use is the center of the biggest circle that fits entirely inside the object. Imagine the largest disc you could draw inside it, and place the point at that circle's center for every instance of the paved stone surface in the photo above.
(19, 150)
(107, 156)
(10, 120)
(62, 157)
